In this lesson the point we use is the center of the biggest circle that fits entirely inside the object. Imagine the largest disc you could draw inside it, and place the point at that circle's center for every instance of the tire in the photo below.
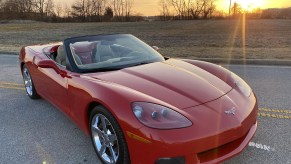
(28, 83)
(111, 146)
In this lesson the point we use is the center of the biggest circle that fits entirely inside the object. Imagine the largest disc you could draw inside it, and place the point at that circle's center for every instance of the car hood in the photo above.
(175, 82)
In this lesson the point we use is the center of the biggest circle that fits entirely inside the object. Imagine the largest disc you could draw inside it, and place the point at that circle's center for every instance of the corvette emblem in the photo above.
(231, 111)
(85, 57)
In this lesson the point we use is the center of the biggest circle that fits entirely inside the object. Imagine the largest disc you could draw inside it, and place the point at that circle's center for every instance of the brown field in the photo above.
(265, 39)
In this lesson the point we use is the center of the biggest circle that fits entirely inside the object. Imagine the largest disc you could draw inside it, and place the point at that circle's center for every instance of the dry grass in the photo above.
(265, 39)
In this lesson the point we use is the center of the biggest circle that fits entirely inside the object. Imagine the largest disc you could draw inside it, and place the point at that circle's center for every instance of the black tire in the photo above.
(31, 92)
(123, 155)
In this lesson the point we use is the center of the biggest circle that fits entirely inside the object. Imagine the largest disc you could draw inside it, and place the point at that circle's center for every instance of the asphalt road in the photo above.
(34, 132)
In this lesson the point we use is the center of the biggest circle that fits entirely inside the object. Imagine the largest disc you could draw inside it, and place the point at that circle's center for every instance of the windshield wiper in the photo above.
(141, 63)
(108, 69)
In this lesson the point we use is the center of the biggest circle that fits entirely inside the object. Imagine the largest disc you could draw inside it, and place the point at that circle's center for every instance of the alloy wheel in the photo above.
(27, 81)
(105, 139)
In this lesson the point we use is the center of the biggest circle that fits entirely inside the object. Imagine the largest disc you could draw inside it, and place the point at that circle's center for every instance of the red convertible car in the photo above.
(141, 107)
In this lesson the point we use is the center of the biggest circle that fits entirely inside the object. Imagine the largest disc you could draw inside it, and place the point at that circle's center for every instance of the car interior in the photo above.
(91, 52)
(61, 56)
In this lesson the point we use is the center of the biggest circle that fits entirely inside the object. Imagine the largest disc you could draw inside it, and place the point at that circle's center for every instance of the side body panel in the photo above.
(49, 85)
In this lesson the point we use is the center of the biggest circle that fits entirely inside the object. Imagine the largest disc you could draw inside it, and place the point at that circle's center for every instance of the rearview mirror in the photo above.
(156, 48)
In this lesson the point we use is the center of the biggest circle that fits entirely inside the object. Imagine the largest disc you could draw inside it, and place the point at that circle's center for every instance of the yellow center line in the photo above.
(277, 116)
(8, 87)
(14, 84)
(275, 110)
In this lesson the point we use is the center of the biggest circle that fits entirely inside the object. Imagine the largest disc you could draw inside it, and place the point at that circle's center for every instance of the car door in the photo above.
(54, 86)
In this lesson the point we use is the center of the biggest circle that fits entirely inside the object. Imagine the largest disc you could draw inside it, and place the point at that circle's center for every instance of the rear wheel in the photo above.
(107, 137)
(28, 83)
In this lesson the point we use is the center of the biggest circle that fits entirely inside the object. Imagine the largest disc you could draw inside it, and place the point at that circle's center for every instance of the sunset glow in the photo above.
(151, 7)
(249, 5)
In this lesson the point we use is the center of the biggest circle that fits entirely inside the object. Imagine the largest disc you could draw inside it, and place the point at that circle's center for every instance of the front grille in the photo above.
(220, 151)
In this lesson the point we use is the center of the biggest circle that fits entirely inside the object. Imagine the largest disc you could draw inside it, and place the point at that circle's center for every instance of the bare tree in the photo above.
(236, 9)
(196, 9)
(193, 9)
(165, 9)
(98, 8)
(59, 9)
(122, 8)
(118, 8)
(67, 11)
(128, 8)
(79, 9)
(90, 10)
(208, 8)
(39, 6)
(212, 8)
(21, 9)
(178, 5)
(49, 8)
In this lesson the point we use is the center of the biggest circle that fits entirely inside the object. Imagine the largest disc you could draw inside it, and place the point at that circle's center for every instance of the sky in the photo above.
(151, 7)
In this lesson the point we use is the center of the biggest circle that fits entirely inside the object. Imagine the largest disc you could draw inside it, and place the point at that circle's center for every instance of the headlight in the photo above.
(243, 87)
(159, 117)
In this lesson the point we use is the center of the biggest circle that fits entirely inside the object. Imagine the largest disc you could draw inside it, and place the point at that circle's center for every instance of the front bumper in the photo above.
(228, 150)
(215, 155)
(213, 138)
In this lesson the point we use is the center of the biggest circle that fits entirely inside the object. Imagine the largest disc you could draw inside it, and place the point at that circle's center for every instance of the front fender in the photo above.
(117, 99)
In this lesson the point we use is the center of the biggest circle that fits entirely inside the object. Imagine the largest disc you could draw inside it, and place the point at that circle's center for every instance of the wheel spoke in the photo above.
(113, 155)
(98, 131)
(104, 124)
(103, 149)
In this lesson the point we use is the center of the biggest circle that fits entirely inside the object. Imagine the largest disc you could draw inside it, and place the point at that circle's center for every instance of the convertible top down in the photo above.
(141, 107)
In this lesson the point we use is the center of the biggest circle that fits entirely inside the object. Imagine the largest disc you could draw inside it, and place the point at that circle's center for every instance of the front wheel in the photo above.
(28, 83)
(107, 137)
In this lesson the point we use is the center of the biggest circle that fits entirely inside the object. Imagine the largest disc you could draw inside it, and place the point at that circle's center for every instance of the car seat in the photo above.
(103, 53)
(61, 56)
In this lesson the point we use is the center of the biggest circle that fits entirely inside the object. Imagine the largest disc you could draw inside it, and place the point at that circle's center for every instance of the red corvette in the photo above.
(141, 107)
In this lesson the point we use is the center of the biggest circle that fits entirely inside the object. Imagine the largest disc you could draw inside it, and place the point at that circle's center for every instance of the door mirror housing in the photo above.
(48, 64)
(51, 64)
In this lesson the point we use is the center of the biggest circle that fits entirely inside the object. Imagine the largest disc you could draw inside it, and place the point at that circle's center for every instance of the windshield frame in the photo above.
(74, 66)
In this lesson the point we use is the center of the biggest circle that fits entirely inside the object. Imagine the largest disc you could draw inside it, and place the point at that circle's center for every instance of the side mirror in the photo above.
(156, 48)
(51, 64)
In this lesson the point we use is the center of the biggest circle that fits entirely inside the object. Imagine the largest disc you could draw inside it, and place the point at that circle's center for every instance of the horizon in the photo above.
(152, 8)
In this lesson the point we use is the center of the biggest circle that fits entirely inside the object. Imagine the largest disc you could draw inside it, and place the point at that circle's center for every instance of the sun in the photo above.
(249, 5)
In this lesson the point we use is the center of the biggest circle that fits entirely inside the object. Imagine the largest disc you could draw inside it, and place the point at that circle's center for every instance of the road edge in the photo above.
(223, 61)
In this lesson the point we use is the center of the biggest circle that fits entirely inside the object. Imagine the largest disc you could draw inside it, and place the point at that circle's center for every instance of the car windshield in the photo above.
(110, 52)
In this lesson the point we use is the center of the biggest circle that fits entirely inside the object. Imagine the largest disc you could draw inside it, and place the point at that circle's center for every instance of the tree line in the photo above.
(122, 10)
(187, 9)
(206, 9)
(80, 10)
